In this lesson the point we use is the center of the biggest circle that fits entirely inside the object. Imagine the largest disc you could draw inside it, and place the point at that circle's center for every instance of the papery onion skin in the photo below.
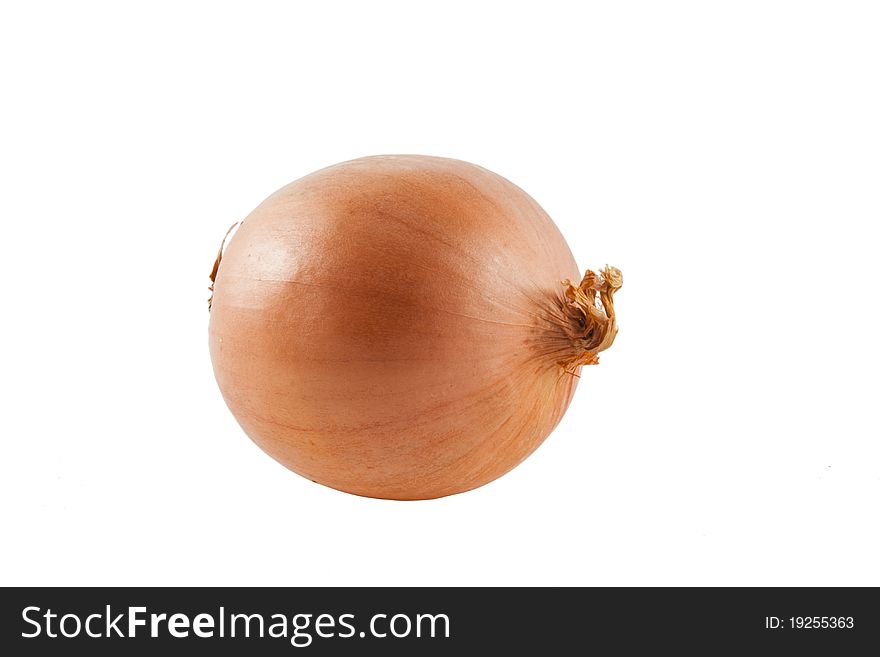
(398, 327)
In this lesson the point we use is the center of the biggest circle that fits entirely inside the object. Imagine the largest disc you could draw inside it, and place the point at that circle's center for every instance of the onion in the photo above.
(403, 327)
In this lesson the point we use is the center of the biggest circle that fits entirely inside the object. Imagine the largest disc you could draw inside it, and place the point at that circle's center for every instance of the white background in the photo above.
(726, 156)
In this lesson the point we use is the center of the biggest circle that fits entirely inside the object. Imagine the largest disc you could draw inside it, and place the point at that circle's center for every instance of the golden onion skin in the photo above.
(397, 326)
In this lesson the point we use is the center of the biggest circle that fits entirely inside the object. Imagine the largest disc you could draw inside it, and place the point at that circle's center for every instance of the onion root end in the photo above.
(591, 307)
